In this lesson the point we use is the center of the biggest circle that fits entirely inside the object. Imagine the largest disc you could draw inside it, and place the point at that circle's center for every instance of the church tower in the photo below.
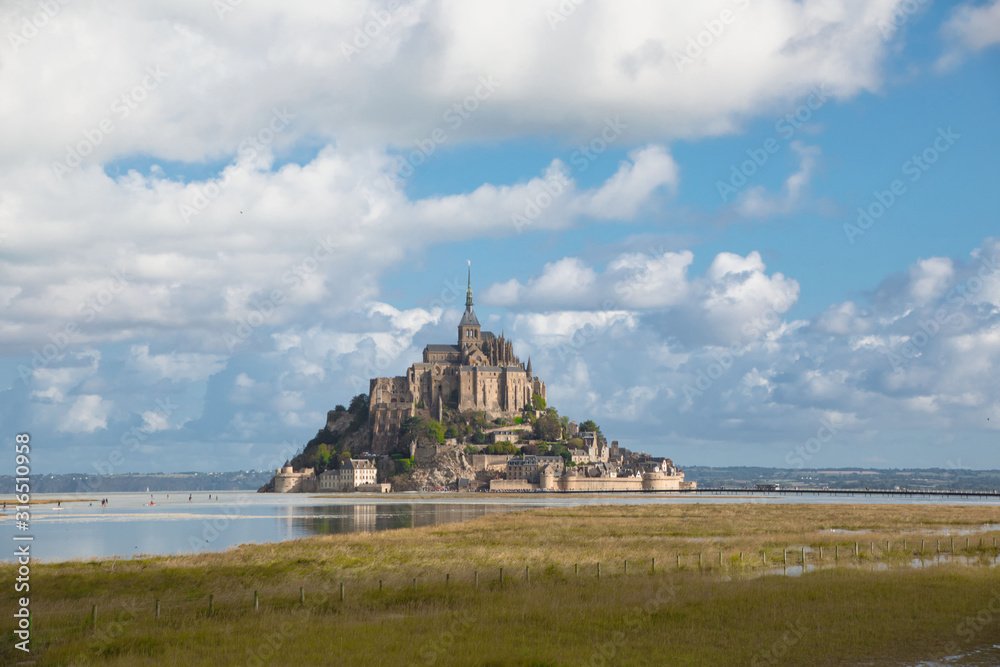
(468, 328)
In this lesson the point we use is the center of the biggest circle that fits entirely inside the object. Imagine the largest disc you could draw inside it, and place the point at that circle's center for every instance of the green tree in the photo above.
(538, 402)
(323, 457)
(547, 428)
(591, 426)
(359, 405)
(435, 431)
(423, 431)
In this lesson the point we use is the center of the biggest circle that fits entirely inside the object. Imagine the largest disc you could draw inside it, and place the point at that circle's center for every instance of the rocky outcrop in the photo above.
(441, 470)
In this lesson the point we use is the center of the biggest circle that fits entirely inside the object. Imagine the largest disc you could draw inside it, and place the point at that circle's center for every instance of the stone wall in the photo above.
(490, 461)
(512, 485)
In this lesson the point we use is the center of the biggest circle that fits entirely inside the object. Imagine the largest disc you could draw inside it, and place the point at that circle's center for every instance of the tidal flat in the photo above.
(692, 584)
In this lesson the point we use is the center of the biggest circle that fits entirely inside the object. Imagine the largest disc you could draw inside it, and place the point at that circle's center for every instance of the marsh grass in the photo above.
(847, 610)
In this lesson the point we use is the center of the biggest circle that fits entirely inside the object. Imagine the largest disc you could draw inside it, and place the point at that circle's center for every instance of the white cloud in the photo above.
(929, 279)
(787, 376)
(607, 58)
(153, 421)
(176, 366)
(757, 203)
(619, 197)
(88, 413)
(226, 273)
(969, 28)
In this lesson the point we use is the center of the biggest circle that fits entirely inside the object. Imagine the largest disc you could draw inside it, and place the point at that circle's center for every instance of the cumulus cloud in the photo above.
(970, 28)
(176, 366)
(758, 203)
(88, 413)
(734, 294)
(922, 353)
(216, 84)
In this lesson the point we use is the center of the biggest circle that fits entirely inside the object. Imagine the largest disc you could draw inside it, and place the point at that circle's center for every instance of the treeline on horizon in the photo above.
(915, 479)
(240, 480)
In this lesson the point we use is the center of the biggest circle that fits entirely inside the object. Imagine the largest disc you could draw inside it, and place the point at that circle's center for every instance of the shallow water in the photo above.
(985, 656)
(130, 526)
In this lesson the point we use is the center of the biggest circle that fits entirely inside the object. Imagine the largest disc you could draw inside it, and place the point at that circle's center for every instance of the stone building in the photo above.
(479, 373)
(530, 467)
(286, 480)
(351, 475)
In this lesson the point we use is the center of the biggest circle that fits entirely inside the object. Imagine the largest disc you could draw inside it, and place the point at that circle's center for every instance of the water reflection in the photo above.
(336, 519)
(130, 526)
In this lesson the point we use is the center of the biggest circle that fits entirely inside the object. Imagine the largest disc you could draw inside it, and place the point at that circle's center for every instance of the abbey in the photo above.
(480, 373)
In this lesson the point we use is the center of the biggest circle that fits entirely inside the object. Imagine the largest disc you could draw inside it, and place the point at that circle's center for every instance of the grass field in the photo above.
(553, 607)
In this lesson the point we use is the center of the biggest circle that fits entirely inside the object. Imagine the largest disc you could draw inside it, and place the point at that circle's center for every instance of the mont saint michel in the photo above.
(470, 416)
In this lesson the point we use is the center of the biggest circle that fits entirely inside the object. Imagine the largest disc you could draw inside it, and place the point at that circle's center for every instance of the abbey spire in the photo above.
(468, 290)
(468, 328)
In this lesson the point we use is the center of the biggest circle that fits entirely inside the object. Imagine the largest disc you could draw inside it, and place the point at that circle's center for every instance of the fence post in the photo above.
(598, 570)
(156, 614)
(501, 576)
(626, 567)
(342, 591)
(527, 573)
(576, 569)
(447, 580)
(699, 560)
(678, 560)
(379, 585)
(720, 559)
(803, 557)
(256, 601)
(652, 567)
(211, 604)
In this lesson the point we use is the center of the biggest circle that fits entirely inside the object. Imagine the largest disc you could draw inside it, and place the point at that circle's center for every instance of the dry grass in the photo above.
(712, 615)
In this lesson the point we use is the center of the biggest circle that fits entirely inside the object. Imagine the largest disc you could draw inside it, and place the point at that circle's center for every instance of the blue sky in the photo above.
(214, 227)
